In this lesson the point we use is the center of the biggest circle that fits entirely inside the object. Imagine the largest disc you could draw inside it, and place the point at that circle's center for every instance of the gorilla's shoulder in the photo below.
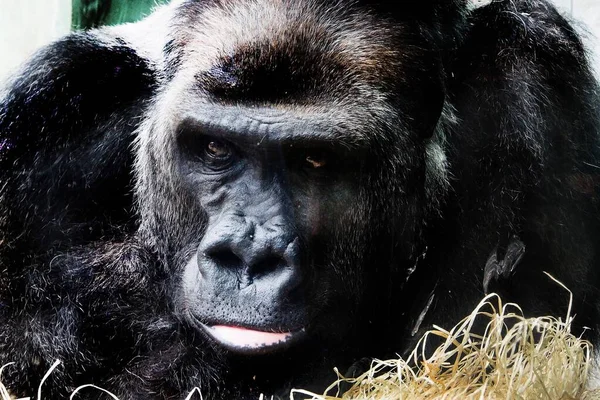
(521, 28)
(70, 114)
(75, 79)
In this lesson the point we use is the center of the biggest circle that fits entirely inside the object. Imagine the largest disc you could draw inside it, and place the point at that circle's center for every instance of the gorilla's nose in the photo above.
(253, 252)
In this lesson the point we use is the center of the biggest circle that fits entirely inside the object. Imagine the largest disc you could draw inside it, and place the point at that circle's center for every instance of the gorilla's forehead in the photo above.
(286, 48)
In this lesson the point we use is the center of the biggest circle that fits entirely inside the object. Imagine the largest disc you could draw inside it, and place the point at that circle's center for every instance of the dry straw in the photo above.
(515, 358)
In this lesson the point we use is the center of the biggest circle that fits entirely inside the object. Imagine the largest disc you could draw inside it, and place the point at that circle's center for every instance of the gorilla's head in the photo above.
(286, 170)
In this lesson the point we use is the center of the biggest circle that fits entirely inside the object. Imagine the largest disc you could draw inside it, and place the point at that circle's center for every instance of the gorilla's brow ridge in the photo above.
(265, 126)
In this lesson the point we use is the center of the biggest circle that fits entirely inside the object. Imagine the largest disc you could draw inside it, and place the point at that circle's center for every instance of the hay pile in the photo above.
(515, 358)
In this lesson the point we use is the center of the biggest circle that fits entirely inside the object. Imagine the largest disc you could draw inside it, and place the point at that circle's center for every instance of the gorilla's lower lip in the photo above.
(247, 340)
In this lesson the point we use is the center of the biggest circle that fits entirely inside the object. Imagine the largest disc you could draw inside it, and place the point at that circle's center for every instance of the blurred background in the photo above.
(26, 25)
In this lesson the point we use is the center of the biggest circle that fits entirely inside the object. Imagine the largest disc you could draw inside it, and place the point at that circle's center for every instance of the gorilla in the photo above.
(240, 195)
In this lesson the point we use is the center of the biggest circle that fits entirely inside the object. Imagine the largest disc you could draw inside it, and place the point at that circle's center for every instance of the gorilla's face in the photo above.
(275, 191)
(284, 166)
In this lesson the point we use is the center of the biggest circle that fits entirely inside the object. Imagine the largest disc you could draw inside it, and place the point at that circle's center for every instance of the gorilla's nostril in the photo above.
(225, 259)
(267, 265)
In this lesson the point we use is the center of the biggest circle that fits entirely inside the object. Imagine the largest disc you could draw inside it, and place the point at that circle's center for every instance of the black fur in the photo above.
(477, 134)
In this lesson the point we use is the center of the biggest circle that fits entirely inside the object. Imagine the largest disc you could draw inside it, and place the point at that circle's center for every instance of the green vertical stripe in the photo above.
(92, 13)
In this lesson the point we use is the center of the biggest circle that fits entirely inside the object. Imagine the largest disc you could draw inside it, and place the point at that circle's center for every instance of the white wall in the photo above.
(565, 4)
(588, 12)
(26, 25)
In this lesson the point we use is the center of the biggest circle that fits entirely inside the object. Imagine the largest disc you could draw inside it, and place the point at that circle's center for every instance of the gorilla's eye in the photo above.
(320, 162)
(218, 150)
(213, 154)
(316, 160)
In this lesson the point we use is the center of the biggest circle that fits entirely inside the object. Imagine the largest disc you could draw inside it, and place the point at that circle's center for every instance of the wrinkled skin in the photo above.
(239, 196)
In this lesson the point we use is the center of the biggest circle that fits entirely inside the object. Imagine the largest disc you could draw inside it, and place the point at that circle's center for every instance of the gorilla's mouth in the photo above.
(249, 341)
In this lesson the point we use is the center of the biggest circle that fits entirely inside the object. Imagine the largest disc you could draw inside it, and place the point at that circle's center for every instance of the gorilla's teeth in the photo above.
(242, 338)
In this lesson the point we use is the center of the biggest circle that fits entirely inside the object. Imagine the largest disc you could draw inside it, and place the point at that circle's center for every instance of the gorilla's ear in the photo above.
(66, 127)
